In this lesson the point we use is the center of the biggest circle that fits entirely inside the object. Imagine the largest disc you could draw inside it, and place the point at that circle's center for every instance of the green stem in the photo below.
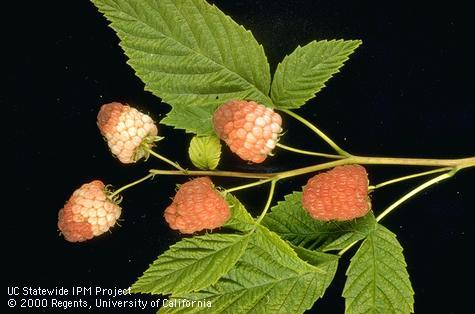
(268, 203)
(462, 162)
(306, 152)
(314, 168)
(364, 160)
(249, 185)
(414, 191)
(412, 176)
(344, 250)
(125, 187)
(168, 161)
(404, 198)
(322, 135)
(453, 163)
(233, 174)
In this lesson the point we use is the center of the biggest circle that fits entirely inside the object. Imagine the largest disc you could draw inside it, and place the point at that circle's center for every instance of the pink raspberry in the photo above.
(248, 128)
(197, 206)
(87, 213)
(338, 194)
(128, 131)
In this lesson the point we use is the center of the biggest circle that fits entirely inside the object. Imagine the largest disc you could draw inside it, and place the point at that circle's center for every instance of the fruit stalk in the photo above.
(321, 134)
(168, 161)
(125, 187)
(306, 152)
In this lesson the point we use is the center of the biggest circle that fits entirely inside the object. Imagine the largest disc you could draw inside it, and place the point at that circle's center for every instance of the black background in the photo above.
(407, 91)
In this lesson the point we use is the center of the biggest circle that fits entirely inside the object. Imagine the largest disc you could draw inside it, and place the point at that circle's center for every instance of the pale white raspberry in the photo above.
(88, 213)
(128, 132)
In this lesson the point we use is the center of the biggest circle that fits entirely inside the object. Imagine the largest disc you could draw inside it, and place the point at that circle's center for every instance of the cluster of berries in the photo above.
(249, 129)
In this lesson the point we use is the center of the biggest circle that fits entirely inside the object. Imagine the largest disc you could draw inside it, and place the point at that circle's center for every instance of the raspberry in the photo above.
(197, 206)
(248, 128)
(128, 132)
(338, 194)
(87, 213)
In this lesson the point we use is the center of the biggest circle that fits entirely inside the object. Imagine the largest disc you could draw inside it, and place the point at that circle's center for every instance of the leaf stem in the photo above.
(412, 176)
(168, 161)
(125, 187)
(268, 203)
(404, 198)
(349, 246)
(414, 191)
(306, 152)
(322, 135)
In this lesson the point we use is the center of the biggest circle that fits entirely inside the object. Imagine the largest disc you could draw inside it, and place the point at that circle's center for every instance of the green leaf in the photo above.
(269, 278)
(378, 281)
(240, 219)
(205, 152)
(304, 72)
(191, 55)
(193, 119)
(325, 261)
(290, 220)
(192, 264)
